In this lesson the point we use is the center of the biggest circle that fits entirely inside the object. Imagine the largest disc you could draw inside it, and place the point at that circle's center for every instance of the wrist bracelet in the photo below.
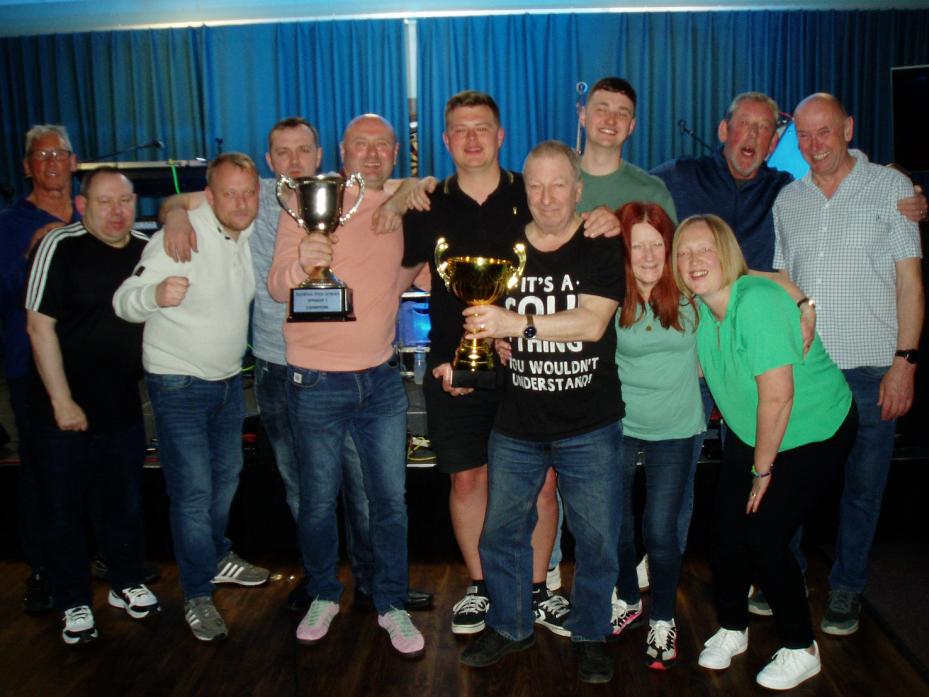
(757, 475)
(805, 299)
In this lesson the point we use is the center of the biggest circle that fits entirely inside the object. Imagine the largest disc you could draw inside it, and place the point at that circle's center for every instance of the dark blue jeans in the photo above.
(866, 472)
(668, 477)
(590, 483)
(370, 406)
(199, 425)
(31, 513)
(271, 393)
(69, 464)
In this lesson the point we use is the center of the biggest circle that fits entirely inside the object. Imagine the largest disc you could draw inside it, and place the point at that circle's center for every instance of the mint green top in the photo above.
(658, 372)
(761, 331)
(628, 183)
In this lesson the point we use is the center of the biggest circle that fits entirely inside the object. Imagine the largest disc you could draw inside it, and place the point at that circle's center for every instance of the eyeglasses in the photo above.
(59, 155)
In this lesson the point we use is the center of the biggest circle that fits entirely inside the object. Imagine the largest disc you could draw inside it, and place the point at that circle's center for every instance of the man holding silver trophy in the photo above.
(343, 378)
(294, 152)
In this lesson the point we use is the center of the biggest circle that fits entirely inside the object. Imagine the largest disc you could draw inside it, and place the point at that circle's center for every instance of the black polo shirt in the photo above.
(471, 229)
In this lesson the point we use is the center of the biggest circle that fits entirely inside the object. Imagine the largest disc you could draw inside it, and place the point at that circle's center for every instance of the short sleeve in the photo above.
(768, 328)
(607, 276)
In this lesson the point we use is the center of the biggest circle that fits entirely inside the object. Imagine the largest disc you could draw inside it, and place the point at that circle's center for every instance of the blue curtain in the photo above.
(189, 87)
(684, 65)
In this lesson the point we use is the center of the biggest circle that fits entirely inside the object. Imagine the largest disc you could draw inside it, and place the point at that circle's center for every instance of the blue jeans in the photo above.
(370, 405)
(199, 426)
(866, 472)
(271, 394)
(668, 472)
(590, 483)
(70, 464)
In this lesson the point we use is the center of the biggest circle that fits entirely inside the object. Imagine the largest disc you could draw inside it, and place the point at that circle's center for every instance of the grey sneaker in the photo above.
(204, 619)
(842, 610)
(234, 569)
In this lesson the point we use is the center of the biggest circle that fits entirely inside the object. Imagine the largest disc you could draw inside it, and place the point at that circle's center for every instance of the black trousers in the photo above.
(756, 546)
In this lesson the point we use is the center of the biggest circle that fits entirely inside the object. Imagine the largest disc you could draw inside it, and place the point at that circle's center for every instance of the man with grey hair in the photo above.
(841, 238)
(196, 326)
(50, 162)
(735, 182)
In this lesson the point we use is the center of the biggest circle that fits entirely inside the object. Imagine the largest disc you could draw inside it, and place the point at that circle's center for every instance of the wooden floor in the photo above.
(261, 658)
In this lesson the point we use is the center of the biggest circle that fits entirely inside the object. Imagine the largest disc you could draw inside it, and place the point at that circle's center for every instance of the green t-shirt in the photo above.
(658, 371)
(761, 331)
(628, 183)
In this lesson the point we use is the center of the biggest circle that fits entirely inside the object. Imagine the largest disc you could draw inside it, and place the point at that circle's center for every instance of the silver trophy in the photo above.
(322, 297)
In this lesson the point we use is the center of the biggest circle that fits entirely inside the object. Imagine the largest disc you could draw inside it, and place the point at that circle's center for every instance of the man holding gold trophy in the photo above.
(480, 211)
(343, 378)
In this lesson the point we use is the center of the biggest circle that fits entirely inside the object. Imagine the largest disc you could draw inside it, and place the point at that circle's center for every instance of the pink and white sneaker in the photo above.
(404, 636)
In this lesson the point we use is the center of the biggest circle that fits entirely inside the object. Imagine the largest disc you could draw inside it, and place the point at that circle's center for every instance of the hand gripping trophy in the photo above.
(322, 297)
(477, 281)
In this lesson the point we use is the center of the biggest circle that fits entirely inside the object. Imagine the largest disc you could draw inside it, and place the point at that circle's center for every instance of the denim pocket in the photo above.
(302, 378)
(168, 383)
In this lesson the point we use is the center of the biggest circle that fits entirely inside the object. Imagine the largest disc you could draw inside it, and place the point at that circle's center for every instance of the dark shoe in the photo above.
(38, 597)
(490, 647)
(99, 569)
(842, 611)
(468, 613)
(551, 611)
(594, 664)
(299, 599)
(415, 600)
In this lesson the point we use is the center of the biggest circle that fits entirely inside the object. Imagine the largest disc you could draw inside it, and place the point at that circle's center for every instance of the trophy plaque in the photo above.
(477, 281)
(322, 297)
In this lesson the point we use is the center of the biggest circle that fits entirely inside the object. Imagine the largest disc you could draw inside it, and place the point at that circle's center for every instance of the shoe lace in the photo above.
(78, 614)
(472, 602)
(724, 638)
(203, 610)
(556, 605)
(841, 601)
(317, 608)
(135, 593)
(662, 634)
(400, 623)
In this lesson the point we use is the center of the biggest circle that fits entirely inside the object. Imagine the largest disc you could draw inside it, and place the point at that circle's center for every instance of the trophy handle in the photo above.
(359, 181)
(282, 181)
(520, 249)
(441, 246)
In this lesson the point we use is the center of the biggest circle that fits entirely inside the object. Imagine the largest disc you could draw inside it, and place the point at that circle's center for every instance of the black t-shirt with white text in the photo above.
(557, 390)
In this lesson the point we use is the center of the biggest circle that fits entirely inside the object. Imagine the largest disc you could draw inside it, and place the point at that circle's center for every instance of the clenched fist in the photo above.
(171, 291)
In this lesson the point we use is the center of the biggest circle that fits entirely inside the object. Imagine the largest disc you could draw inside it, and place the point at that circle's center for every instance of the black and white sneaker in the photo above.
(138, 601)
(79, 625)
(551, 611)
(625, 616)
(661, 645)
(468, 613)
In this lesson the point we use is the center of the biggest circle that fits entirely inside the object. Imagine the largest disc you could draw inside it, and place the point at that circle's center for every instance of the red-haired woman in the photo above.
(657, 360)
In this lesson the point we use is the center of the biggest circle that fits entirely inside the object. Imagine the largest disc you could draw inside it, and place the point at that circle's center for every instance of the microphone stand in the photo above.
(142, 146)
(682, 124)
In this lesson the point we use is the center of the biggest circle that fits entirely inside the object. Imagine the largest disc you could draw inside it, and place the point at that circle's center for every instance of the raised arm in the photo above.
(180, 238)
(48, 360)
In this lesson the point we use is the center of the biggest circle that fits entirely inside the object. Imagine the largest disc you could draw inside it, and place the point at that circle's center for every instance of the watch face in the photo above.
(529, 332)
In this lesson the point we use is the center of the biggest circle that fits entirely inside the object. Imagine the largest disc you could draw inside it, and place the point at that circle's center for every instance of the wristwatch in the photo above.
(530, 331)
(909, 355)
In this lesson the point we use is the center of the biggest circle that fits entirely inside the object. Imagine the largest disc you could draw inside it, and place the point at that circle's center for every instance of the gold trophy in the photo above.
(477, 281)
(322, 297)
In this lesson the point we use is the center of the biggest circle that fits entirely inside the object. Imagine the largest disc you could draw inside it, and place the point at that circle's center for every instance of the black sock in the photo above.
(481, 586)
(538, 588)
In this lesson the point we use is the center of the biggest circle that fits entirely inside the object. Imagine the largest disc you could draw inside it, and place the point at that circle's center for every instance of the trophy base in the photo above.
(478, 379)
(321, 305)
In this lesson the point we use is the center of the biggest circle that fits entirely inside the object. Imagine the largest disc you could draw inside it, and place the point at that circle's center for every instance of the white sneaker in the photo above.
(553, 578)
(721, 647)
(138, 601)
(789, 668)
(641, 573)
